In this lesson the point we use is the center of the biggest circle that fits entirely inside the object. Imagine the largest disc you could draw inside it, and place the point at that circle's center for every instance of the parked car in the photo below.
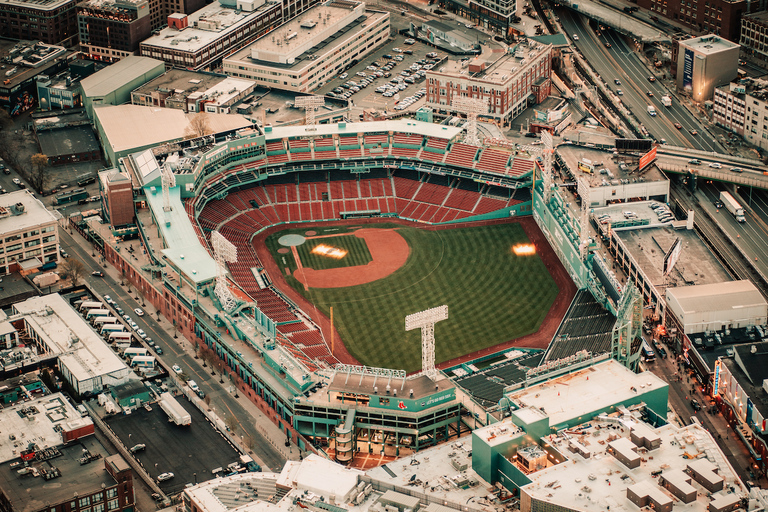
(176, 368)
(138, 447)
(162, 477)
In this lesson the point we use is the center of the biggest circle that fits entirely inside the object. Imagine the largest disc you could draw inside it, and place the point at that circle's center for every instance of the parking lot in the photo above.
(168, 446)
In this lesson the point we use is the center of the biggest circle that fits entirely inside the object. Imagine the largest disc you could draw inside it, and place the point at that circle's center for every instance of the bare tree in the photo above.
(221, 366)
(231, 423)
(198, 126)
(207, 400)
(73, 269)
(38, 175)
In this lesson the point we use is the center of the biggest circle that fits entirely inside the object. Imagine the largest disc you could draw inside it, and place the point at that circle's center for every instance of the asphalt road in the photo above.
(620, 62)
(162, 333)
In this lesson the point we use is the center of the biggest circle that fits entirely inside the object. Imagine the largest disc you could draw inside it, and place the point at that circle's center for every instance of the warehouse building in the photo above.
(705, 63)
(85, 360)
(311, 49)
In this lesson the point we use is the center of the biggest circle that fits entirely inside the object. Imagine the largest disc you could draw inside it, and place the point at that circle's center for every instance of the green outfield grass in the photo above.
(357, 252)
(492, 295)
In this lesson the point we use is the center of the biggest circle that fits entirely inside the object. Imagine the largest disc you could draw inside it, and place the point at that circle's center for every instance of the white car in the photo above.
(575, 37)
(141, 333)
(108, 299)
(410, 41)
(715, 165)
(139, 311)
(162, 477)
(343, 76)
(398, 50)
(176, 368)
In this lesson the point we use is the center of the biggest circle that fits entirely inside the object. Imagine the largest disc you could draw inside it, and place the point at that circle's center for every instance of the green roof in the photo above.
(555, 40)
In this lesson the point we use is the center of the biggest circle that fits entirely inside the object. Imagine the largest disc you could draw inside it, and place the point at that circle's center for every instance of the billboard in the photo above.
(688, 69)
(672, 256)
(633, 145)
(647, 159)
(540, 115)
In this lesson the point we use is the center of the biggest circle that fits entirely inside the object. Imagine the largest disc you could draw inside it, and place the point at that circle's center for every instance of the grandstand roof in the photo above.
(402, 126)
(183, 249)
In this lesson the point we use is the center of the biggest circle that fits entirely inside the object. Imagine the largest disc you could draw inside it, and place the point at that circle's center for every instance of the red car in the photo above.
(678, 126)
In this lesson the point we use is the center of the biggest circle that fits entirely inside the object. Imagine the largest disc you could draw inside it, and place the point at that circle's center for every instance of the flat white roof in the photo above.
(601, 481)
(225, 90)
(129, 127)
(64, 332)
(115, 76)
(214, 22)
(35, 212)
(586, 390)
(37, 424)
(399, 125)
(320, 476)
(709, 44)
(717, 297)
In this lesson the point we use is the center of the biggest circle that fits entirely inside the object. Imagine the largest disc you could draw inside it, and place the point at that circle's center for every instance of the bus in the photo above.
(648, 354)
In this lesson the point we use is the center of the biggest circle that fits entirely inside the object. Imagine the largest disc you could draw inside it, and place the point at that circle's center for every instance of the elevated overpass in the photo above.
(675, 159)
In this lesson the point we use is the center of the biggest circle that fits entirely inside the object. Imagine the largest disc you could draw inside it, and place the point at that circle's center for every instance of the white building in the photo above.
(714, 307)
(29, 232)
(705, 63)
(306, 52)
(201, 39)
(85, 360)
(509, 85)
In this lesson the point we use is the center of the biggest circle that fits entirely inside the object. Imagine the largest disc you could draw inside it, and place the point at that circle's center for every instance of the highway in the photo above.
(620, 62)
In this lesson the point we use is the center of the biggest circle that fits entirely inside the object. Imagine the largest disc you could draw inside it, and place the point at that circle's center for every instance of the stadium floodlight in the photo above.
(167, 180)
(546, 152)
(309, 104)
(472, 107)
(426, 320)
(223, 251)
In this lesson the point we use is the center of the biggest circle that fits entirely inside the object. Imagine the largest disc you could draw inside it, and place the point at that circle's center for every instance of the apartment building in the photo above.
(29, 232)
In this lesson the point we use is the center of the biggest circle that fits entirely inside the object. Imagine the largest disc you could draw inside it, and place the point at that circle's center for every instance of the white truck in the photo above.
(652, 110)
(733, 206)
(666, 101)
(174, 410)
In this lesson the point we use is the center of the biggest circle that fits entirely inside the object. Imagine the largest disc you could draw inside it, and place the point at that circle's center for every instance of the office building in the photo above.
(509, 85)
(754, 35)
(47, 21)
(200, 40)
(112, 29)
(29, 233)
(311, 49)
(705, 63)
(495, 15)
(719, 17)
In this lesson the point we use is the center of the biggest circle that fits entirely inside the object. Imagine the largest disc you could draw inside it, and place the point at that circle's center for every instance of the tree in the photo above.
(221, 367)
(207, 400)
(198, 126)
(38, 176)
(231, 423)
(73, 269)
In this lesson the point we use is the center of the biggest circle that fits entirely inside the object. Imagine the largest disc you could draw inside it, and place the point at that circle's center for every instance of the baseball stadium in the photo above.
(299, 251)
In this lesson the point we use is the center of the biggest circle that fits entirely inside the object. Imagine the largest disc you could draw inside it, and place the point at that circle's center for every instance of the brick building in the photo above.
(110, 30)
(49, 21)
(510, 84)
(720, 17)
(117, 194)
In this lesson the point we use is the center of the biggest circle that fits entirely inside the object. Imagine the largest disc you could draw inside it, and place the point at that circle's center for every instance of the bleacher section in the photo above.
(493, 160)
(487, 386)
(587, 326)
(461, 155)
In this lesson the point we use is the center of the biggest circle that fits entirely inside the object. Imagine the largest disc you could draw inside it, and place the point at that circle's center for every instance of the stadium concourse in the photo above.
(277, 345)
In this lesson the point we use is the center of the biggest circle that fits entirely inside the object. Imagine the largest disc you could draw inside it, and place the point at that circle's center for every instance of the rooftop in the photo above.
(696, 265)
(133, 127)
(67, 141)
(580, 392)
(30, 494)
(38, 421)
(29, 58)
(609, 171)
(181, 83)
(117, 75)
(500, 71)
(399, 125)
(313, 32)
(642, 212)
(43, 5)
(63, 331)
(709, 44)
(600, 481)
(212, 22)
(706, 298)
(34, 212)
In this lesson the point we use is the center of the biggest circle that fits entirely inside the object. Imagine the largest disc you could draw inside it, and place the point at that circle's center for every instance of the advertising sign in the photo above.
(647, 159)
(688, 69)
(716, 386)
(540, 115)
(672, 256)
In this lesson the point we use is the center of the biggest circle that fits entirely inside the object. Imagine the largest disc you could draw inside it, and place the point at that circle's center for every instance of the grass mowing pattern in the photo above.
(493, 296)
(357, 252)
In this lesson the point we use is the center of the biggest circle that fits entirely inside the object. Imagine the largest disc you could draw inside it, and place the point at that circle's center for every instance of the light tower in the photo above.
(426, 320)
(583, 188)
(472, 107)
(546, 152)
(167, 180)
(223, 251)
(309, 104)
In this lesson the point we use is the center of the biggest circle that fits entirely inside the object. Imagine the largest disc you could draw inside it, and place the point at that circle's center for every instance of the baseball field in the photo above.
(374, 275)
